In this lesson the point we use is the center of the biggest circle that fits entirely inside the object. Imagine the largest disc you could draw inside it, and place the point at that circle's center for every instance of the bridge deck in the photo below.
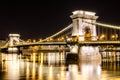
(99, 43)
(40, 43)
(92, 43)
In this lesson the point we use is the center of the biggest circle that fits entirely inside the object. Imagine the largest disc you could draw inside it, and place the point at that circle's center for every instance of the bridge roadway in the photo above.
(98, 43)
(40, 43)
(92, 43)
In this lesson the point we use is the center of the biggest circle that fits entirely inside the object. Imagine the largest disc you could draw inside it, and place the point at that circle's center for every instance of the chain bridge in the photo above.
(84, 30)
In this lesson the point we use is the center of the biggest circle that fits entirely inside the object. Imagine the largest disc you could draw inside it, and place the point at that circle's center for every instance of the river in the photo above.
(51, 66)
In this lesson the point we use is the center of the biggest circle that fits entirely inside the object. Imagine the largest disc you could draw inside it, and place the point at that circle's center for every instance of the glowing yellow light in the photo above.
(34, 40)
(40, 40)
(62, 38)
(102, 36)
(113, 36)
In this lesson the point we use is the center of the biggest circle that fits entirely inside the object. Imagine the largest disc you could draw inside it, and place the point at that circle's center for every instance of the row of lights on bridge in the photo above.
(74, 39)
(112, 37)
(48, 40)
(58, 39)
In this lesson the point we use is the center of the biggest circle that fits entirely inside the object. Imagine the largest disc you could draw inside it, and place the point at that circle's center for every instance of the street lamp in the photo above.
(102, 37)
(114, 36)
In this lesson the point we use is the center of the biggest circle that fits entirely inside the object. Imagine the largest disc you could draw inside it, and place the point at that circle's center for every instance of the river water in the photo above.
(51, 66)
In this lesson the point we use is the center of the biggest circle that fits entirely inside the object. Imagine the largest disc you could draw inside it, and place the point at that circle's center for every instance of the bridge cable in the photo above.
(66, 28)
(104, 25)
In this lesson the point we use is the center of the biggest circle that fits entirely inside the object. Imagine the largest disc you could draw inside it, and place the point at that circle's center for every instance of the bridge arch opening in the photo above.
(87, 34)
(85, 31)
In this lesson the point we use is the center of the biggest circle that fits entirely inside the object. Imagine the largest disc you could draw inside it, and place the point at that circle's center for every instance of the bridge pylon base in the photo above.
(89, 53)
(12, 49)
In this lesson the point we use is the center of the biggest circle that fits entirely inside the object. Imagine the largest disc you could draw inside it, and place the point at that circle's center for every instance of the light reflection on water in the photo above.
(51, 66)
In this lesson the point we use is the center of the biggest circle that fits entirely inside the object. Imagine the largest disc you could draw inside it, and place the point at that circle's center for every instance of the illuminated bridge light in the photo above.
(99, 42)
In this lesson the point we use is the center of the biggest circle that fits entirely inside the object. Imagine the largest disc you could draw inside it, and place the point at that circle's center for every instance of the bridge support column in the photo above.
(94, 33)
(74, 49)
(14, 39)
(12, 49)
(89, 53)
(82, 27)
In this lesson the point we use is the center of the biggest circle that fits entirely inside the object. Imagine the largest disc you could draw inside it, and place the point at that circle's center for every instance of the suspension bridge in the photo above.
(84, 30)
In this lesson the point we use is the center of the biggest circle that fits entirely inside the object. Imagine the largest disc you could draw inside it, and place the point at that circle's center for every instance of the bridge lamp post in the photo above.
(59, 39)
(40, 40)
(102, 37)
(114, 36)
(74, 38)
(51, 39)
(48, 40)
(29, 40)
(62, 38)
(34, 40)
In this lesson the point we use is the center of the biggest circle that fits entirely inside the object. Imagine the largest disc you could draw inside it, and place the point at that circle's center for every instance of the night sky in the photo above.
(37, 19)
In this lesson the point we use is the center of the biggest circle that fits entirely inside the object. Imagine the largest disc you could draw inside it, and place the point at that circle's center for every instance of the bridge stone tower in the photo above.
(82, 27)
(14, 38)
